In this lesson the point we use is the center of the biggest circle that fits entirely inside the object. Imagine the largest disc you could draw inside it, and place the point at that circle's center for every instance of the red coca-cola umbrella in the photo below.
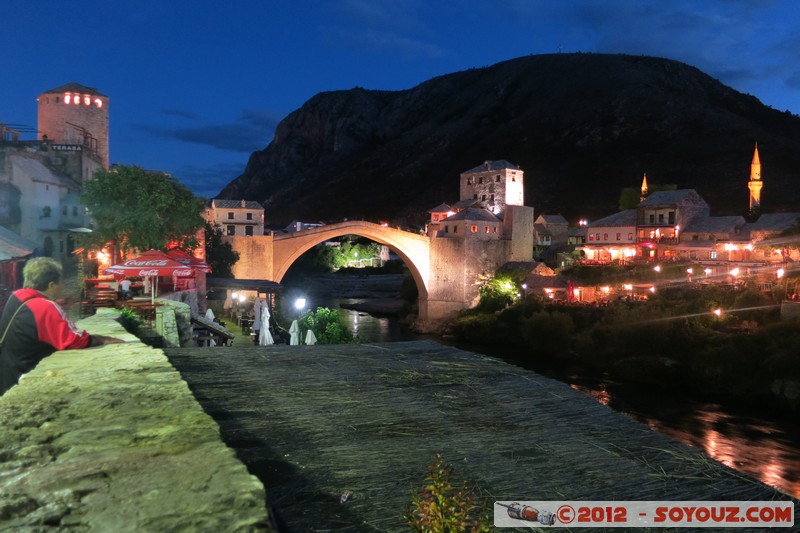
(189, 260)
(152, 263)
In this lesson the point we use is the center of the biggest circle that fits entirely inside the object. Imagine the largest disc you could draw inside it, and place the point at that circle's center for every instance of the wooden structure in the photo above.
(204, 331)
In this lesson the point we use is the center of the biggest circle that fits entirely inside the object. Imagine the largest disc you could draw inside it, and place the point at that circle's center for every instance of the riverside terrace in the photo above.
(112, 439)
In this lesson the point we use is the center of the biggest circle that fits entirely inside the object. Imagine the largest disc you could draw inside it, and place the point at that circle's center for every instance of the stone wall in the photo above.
(111, 439)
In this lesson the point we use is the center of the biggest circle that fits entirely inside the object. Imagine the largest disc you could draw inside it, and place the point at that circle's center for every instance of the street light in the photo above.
(300, 303)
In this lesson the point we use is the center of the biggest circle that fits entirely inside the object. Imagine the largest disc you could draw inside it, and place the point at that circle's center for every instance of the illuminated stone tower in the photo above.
(496, 184)
(755, 183)
(644, 189)
(75, 115)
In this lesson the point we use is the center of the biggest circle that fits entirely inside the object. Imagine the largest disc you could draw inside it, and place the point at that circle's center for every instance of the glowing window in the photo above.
(495, 229)
(98, 102)
(486, 229)
(455, 229)
(474, 228)
(87, 100)
(67, 98)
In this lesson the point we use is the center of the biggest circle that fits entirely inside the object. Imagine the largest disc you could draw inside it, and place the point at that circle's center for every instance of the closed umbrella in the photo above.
(294, 329)
(264, 336)
(311, 338)
(210, 314)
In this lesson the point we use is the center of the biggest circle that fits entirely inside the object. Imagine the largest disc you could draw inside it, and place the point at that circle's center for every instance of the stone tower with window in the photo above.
(496, 184)
(76, 115)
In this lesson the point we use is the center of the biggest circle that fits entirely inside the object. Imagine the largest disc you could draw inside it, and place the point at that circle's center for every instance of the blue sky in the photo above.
(196, 86)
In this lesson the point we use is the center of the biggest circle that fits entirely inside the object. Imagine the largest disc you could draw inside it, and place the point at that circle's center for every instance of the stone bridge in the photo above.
(445, 270)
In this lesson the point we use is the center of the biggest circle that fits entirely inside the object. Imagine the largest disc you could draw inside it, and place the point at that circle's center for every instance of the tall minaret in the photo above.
(644, 188)
(755, 183)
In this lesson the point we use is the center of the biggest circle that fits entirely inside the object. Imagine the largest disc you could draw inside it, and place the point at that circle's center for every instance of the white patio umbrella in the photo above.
(228, 302)
(311, 338)
(294, 329)
(210, 314)
(264, 336)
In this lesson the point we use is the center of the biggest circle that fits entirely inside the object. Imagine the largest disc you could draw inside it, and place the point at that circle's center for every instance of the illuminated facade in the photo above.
(237, 217)
(496, 184)
(76, 115)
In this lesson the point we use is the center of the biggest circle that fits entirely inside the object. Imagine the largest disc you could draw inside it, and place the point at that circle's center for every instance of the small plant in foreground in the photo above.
(439, 507)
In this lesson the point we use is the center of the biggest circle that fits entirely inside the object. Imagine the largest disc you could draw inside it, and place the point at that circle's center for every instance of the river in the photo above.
(764, 445)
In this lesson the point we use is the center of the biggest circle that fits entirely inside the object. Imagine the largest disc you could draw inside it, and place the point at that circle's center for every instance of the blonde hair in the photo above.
(40, 271)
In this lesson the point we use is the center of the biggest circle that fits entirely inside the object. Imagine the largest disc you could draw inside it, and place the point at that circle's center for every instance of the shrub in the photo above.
(439, 507)
(327, 326)
(129, 320)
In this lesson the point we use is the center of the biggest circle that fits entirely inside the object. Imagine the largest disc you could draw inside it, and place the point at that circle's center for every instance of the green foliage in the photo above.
(141, 209)
(327, 326)
(497, 294)
(439, 507)
(220, 255)
(130, 320)
(350, 249)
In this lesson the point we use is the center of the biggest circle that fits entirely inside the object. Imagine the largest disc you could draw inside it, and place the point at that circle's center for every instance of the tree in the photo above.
(220, 255)
(141, 209)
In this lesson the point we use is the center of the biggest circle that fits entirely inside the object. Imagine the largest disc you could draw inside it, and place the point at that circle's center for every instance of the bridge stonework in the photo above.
(446, 271)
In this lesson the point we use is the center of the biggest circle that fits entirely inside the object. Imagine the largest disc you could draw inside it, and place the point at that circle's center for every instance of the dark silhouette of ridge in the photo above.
(581, 126)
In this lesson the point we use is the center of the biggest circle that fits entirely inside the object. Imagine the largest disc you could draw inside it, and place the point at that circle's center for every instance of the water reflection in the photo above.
(766, 449)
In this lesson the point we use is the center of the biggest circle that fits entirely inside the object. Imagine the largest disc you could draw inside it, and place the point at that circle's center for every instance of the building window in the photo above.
(652, 219)
(46, 211)
(474, 196)
(491, 198)
(619, 236)
(486, 229)
(480, 180)
(671, 217)
(661, 218)
(630, 236)
(605, 236)
(231, 230)
(597, 236)
(74, 210)
(713, 254)
(495, 229)
(483, 197)
(249, 216)
(230, 215)
(591, 236)
(513, 178)
(469, 181)
(447, 229)
(497, 179)
(455, 229)
(248, 230)
(474, 228)
(64, 210)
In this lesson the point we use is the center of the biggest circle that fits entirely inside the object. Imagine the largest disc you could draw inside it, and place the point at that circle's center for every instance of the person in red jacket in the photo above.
(33, 325)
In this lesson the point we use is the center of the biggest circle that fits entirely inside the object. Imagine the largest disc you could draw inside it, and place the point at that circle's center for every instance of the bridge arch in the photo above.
(412, 248)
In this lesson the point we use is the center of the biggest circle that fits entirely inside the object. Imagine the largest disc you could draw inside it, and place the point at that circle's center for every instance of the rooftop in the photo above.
(500, 164)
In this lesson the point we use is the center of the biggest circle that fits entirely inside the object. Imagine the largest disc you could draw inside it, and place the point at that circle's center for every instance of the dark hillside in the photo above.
(581, 126)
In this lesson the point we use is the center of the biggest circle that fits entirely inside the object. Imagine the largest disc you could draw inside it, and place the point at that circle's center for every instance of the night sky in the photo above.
(196, 86)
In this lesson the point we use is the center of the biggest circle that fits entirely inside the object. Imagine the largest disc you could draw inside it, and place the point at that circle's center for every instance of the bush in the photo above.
(327, 326)
(549, 334)
(129, 320)
(439, 507)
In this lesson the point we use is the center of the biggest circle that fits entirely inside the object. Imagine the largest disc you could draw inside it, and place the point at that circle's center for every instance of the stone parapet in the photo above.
(111, 439)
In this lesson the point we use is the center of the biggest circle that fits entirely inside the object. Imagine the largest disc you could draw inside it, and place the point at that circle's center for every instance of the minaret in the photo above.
(644, 188)
(755, 183)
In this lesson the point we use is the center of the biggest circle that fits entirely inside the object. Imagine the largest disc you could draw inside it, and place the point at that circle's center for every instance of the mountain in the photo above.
(581, 126)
